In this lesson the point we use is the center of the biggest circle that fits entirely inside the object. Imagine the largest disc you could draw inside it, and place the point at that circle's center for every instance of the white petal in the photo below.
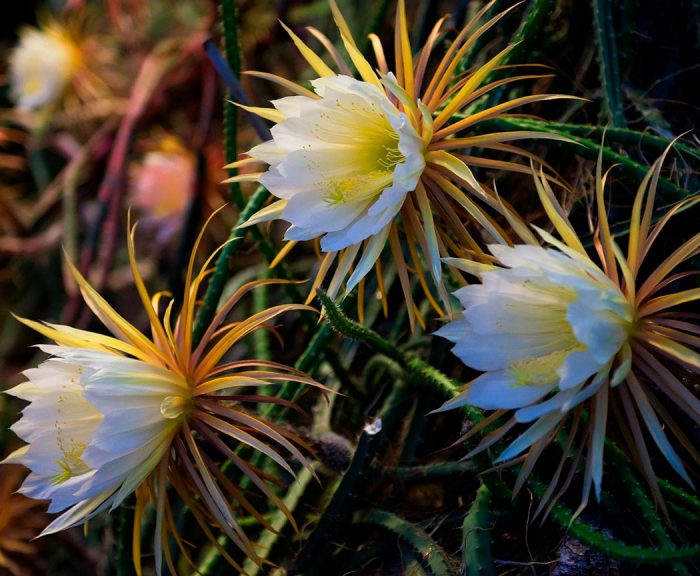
(79, 513)
(576, 368)
(497, 390)
(599, 329)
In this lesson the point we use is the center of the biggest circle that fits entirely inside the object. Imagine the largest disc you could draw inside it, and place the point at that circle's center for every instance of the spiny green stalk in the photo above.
(311, 357)
(529, 31)
(683, 514)
(220, 275)
(625, 136)
(232, 49)
(411, 564)
(355, 331)
(476, 537)
(430, 378)
(679, 496)
(427, 472)
(436, 381)
(589, 149)
(337, 508)
(643, 505)
(376, 368)
(606, 45)
(430, 553)
(420, 374)
(592, 537)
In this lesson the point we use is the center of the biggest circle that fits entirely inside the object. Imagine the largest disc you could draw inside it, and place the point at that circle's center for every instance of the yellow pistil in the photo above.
(540, 370)
(71, 464)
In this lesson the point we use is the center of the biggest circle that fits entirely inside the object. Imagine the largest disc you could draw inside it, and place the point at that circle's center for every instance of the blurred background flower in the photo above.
(162, 185)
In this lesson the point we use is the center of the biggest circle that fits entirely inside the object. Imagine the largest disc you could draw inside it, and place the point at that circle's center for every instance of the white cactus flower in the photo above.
(545, 324)
(342, 164)
(560, 338)
(41, 66)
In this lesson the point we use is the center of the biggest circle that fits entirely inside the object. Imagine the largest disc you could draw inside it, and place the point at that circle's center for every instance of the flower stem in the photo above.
(609, 546)
(336, 510)
(124, 564)
(220, 275)
(587, 148)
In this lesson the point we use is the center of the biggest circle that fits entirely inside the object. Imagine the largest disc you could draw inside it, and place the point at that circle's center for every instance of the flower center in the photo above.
(380, 156)
(173, 407)
(541, 370)
(71, 464)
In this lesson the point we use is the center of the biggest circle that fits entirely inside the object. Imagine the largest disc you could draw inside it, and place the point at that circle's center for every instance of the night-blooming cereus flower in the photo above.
(42, 66)
(357, 162)
(113, 415)
(558, 335)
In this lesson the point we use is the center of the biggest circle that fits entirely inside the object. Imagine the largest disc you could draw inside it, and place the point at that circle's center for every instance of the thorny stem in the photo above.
(584, 147)
(611, 547)
(337, 507)
(221, 271)
(424, 375)
(644, 507)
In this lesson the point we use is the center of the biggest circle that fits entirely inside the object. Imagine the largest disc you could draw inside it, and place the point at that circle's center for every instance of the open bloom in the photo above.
(556, 334)
(356, 162)
(113, 415)
(42, 66)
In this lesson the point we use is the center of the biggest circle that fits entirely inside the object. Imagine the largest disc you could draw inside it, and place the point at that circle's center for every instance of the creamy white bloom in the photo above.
(41, 66)
(96, 426)
(342, 164)
(543, 326)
